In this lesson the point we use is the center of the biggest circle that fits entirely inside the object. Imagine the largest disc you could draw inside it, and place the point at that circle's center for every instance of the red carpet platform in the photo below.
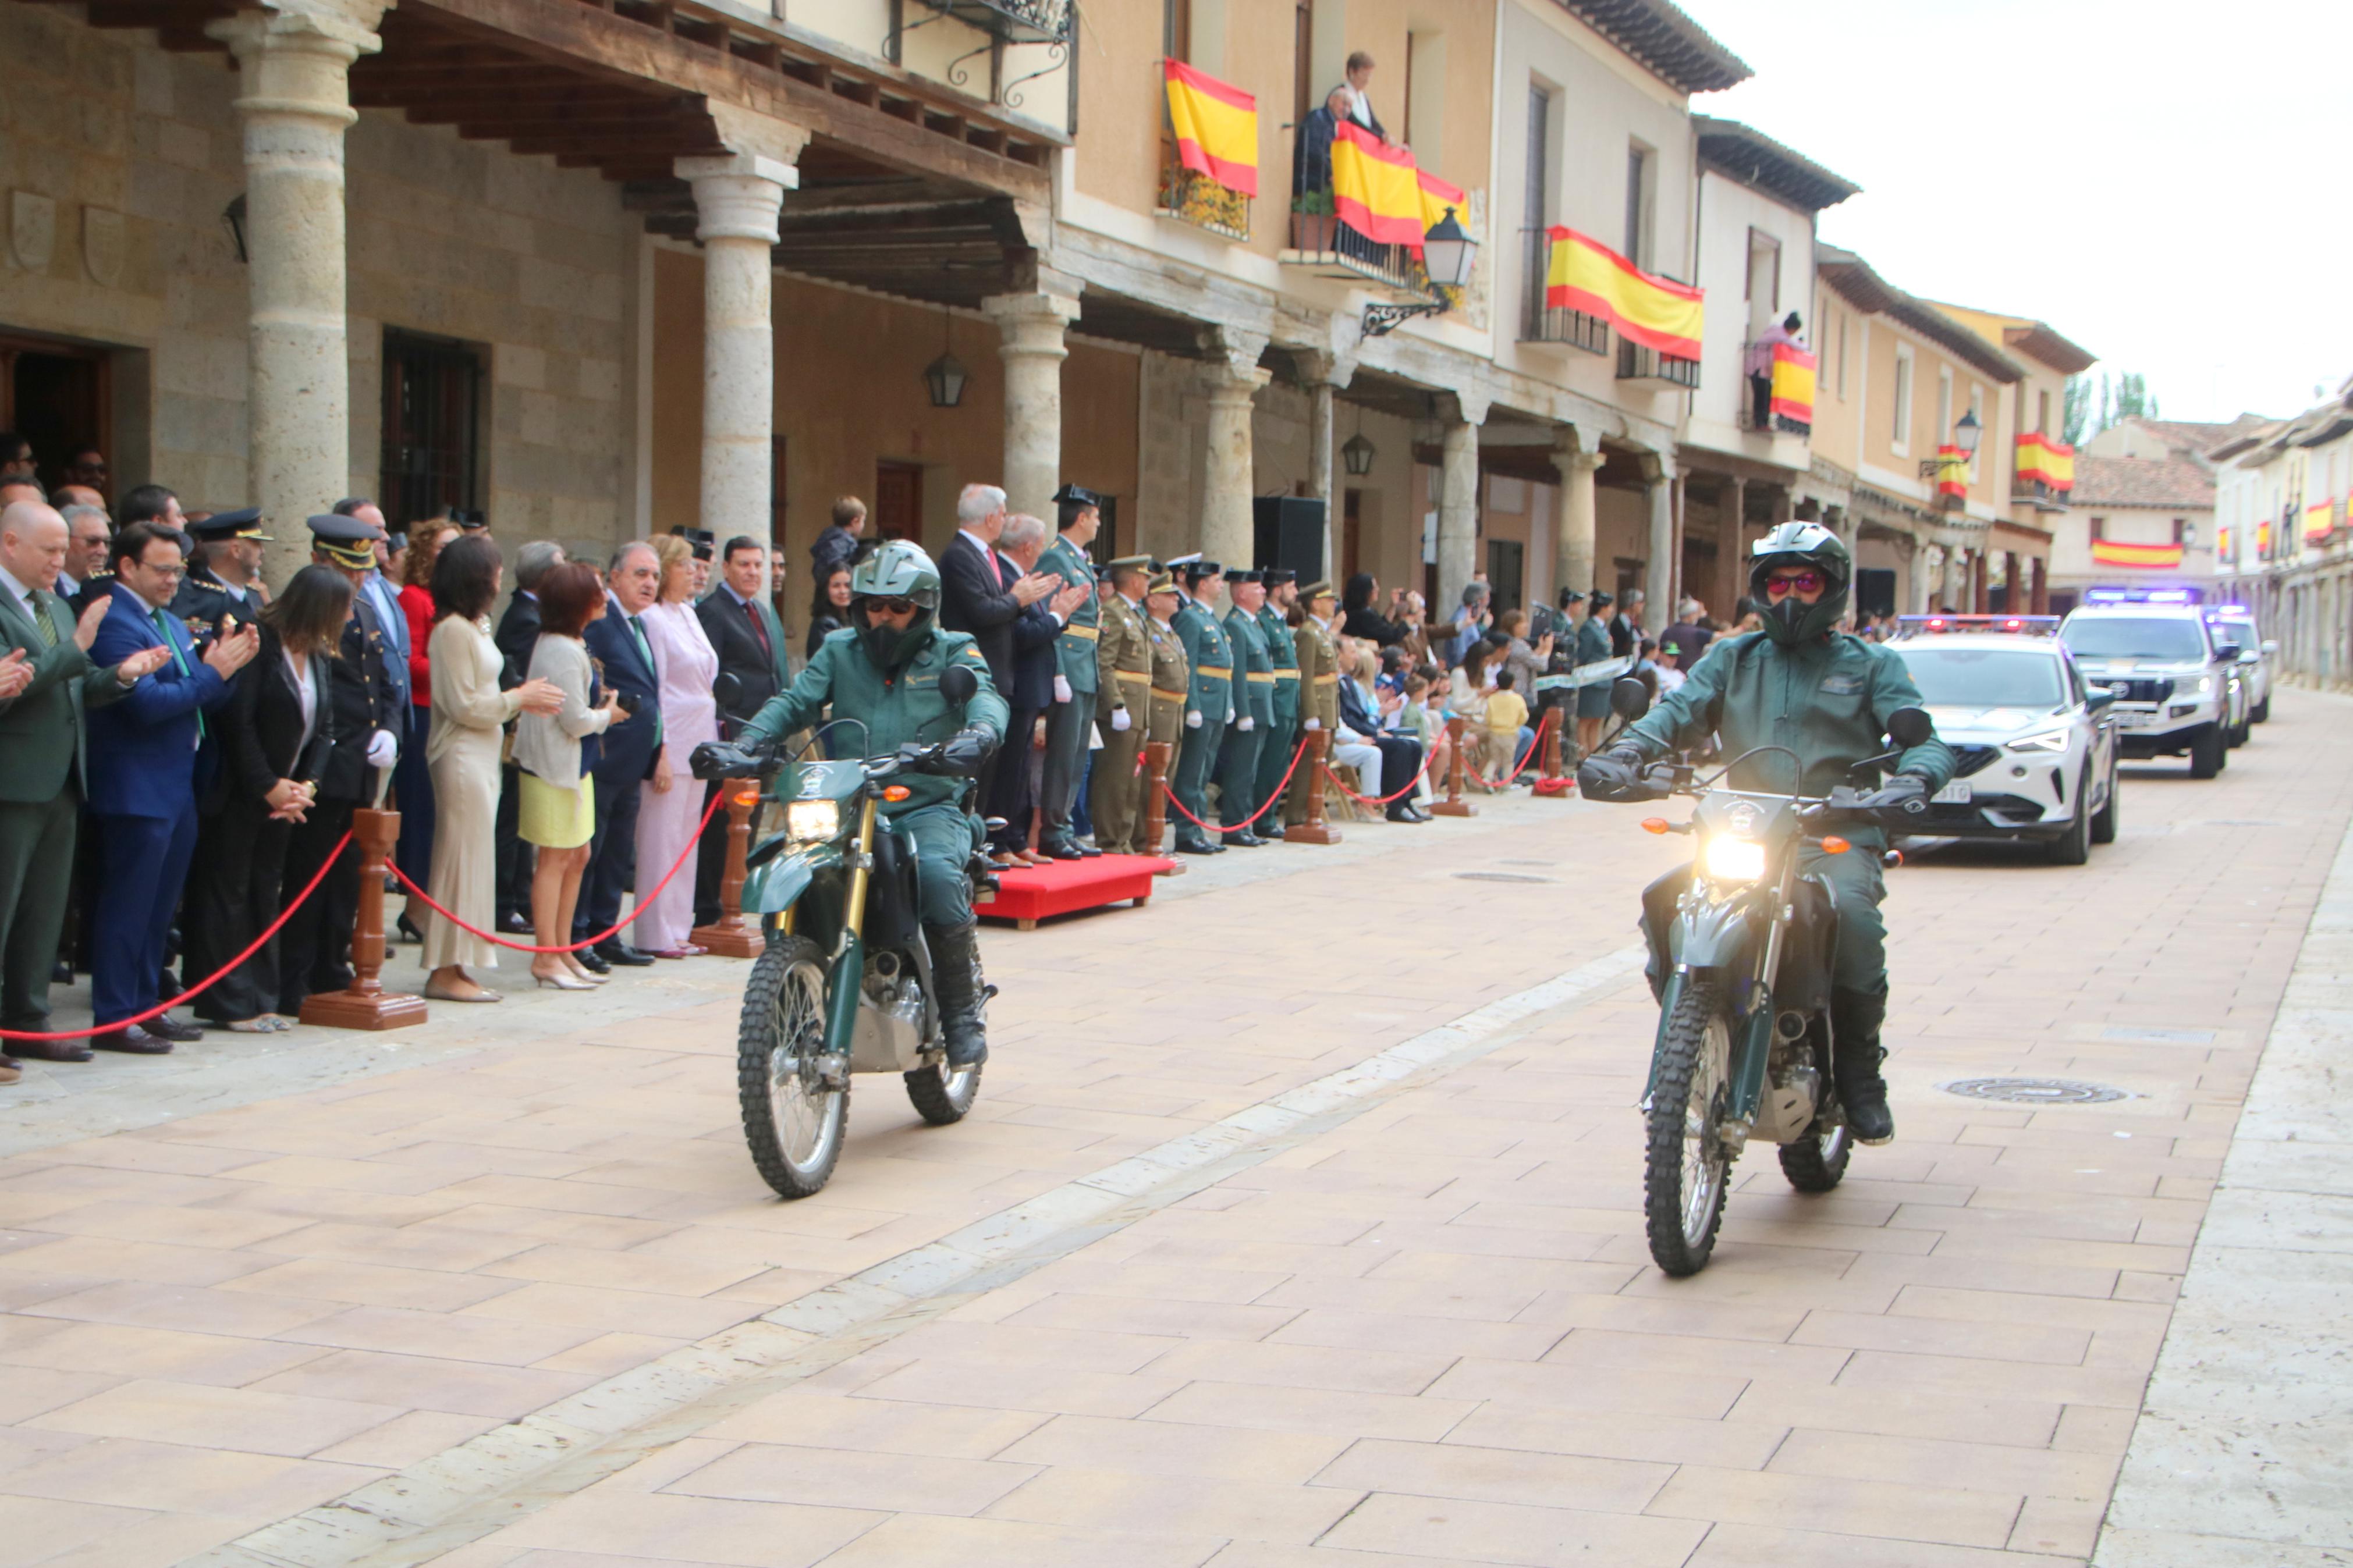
(1029, 895)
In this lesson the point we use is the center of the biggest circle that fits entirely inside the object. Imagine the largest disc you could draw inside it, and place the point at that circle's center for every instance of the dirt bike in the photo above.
(845, 984)
(1743, 944)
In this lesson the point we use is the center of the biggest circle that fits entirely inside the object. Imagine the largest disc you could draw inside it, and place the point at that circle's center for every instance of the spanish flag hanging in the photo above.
(1793, 384)
(1216, 126)
(2319, 521)
(1656, 312)
(1952, 471)
(1438, 199)
(1376, 190)
(2052, 462)
(2139, 557)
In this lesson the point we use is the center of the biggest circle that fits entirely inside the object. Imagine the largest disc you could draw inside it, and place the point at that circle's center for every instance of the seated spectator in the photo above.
(1359, 619)
(1423, 718)
(1370, 718)
(412, 775)
(556, 751)
(1466, 699)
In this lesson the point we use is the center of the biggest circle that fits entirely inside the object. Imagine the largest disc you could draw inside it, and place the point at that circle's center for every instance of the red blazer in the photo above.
(416, 603)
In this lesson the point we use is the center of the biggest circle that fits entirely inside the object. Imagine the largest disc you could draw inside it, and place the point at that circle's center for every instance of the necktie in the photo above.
(759, 628)
(41, 621)
(179, 662)
(646, 648)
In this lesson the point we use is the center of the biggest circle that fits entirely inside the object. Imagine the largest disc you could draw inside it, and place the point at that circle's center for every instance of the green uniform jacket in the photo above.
(1074, 650)
(43, 740)
(1206, 651)
(1281, 647)
(1827, 701)
(1122, 647)
(903, 707)
(1254, 698)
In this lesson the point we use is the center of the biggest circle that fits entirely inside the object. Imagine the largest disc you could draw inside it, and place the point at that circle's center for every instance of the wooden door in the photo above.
(56, 396)
(898, 512)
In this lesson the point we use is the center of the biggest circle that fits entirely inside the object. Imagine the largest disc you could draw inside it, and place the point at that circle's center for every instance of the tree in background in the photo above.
(2127, 397)
(2076, 409)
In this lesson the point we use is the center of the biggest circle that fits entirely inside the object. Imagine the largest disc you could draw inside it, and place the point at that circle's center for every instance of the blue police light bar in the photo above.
(1934, 625)
(2141, 595)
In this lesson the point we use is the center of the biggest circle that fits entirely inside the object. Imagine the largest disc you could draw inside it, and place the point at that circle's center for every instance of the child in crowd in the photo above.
(1508, 732)
(1425, 720)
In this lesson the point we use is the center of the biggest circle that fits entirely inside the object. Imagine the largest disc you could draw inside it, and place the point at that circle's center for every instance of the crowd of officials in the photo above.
(182, 749)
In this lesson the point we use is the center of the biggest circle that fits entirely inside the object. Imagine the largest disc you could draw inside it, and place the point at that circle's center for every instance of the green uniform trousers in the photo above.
(1197, 757)
(943, 838)
(1280, 740)
(1859, 885)
(1238, 795)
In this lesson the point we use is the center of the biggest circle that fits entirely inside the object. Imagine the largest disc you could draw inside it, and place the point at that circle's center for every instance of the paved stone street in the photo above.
(1297, 1227)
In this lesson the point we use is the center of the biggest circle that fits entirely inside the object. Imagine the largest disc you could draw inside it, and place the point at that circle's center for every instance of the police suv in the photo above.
(2034, 744)
(2178, 690)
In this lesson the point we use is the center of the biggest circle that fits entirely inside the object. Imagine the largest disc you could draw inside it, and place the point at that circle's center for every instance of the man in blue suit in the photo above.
(143, 784)
(618, 643)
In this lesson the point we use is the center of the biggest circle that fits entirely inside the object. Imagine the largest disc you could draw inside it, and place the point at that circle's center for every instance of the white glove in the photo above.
(1229, 715)
(1315, 723)
(1192, 719)
(1249, 724)
(1118, 718)
(383, 750)
(1061, 689)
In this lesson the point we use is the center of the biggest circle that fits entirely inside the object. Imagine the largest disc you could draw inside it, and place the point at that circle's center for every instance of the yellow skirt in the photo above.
(556, 818)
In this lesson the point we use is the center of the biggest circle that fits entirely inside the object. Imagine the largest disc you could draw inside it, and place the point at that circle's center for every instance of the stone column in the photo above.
(1029, 329)
(293, 104)
(1573, 512)
(1324, 374)
(1230, 381)
(1955, 588)
(736, 197)
(1927, 571)
(1731, 549)
(1659, 571)
(1458, 501)
(2041, 604)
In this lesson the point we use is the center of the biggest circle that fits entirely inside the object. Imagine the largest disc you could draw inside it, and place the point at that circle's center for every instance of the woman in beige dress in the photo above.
(469, 715)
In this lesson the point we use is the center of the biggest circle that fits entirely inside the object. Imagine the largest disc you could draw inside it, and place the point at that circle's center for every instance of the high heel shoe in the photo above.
(408, 933)
(587, 978)
(560, 983)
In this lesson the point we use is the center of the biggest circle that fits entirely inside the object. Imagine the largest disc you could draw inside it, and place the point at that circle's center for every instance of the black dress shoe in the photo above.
(1269, 833)
(590, 959)
(1401, 813)
(134, 1040)
(1194, 846)
(515, 923)
(1087, 851)
(1062, 849)
(51, 1050)
(621, 952)
(170, 1028)
(1244, 837)
(61, 972)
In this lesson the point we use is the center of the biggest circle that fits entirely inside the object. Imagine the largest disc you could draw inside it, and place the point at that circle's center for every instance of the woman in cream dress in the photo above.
(672, 805)
(469, 716)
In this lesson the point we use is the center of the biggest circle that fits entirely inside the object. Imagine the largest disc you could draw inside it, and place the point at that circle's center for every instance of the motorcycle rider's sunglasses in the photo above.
(1779, 583)
(890, 606)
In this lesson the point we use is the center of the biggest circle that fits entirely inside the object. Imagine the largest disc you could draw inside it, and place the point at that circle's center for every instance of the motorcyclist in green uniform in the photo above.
(1825, 695)
(883, 670)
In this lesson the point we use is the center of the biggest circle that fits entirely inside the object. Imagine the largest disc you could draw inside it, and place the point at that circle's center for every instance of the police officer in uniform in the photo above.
(206, 600)
(1282, 738)
(1210, 700)
(1254, 697)
(1319, 687)
(1172, 675)
(1122, 691)
(1080, 513)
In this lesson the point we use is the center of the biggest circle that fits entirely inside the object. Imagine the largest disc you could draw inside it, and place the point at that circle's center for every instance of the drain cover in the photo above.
(2035, 1091)
(1498, 877)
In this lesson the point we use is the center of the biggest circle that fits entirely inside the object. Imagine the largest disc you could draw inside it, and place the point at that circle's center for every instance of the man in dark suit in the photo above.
(143, 752)
(1031, 691)
(314, 951)
(749, 641)
(627, 760)
(47, 683)
(974, 594)
(517, 635)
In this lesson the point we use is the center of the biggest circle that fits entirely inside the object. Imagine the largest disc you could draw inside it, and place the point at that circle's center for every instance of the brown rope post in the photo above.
(1552, 746)
(1455, 804)
(365, 1006)
(1156, 797)
(729, 936)
(1315, 830)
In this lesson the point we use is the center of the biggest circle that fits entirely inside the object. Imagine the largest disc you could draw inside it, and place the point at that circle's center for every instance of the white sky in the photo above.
(2162, 182)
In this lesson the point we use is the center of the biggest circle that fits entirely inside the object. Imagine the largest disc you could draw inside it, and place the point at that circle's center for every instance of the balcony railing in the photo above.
(1550, 324)
(1015, 21)
(1647, 367)
(1322, 241)
(1193, 197)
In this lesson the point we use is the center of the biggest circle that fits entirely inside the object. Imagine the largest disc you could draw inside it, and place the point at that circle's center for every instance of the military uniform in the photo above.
(1280, 741)
(1172, 674)
(1319, 695)
(1123, 652)
(1076, 660)
(203, 602)
(1254, 698)
(1209, 698)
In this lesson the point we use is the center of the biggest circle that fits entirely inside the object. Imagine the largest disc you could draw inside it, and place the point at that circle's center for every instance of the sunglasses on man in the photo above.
(895, 606)
(1779, 584)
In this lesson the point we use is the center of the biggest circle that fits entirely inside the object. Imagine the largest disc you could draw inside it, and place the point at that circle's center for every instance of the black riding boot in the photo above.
(1855, 1017)
(955, 979)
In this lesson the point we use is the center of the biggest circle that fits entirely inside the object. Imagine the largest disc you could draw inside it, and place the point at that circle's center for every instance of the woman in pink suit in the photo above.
(689, 716)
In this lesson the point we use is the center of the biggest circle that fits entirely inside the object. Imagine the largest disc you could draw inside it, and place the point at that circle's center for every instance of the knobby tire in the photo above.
(1666, 1191)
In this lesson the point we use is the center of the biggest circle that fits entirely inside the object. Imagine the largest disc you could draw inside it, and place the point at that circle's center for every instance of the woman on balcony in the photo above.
(1760, 369)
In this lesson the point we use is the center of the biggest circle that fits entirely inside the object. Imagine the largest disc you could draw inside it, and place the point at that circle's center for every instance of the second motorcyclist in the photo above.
(1825, 695)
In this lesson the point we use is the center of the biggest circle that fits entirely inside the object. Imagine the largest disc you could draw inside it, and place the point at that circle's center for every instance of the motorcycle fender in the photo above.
(775, 886)
(1713, 937)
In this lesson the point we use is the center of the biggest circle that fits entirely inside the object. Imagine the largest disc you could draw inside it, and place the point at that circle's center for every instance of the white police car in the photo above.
(2034, 748)
(2236, 623)
(2177, 681)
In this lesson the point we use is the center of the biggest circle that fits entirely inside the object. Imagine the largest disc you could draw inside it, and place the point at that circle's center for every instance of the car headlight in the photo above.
(2205, 684)
(812, 821)
(2048, 741)
(1734, 860)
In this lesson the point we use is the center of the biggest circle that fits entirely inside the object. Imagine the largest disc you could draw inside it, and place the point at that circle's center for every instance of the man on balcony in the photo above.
(1760, 369)
(1311, 165)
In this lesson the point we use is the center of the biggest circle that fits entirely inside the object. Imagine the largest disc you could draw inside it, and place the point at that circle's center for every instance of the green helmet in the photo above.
(898, 569)
(1793, 620)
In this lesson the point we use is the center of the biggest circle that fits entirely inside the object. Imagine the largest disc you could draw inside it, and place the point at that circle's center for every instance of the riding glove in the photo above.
(960, 755)
(1901, 802)
(1612, 774)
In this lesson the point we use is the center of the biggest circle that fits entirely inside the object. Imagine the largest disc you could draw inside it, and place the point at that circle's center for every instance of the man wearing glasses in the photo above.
(1825, 695)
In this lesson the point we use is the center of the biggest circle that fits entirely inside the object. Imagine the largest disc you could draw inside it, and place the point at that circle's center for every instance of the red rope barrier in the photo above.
(209, 981)
(1168, 790)
(1534, 747)
(693, 845)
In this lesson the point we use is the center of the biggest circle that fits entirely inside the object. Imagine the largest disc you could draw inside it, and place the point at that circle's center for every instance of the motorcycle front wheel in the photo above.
(1686, 1163)
(1818, 1163)
(796, 1103)
(942, 1094)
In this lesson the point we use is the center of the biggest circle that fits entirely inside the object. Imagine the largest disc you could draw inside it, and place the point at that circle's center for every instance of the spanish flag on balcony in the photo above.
(1376, 190)
(2040, 457)
(2319, 521)
(2264, 540)
(1216, 126)
(1656, 312)
(1793, 384)
(1436, 197)
(1952, 471)
(2138, 557)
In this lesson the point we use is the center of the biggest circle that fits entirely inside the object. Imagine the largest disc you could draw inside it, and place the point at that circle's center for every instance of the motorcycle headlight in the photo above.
(2049, 741)
(812, 821)
(1734, 860)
